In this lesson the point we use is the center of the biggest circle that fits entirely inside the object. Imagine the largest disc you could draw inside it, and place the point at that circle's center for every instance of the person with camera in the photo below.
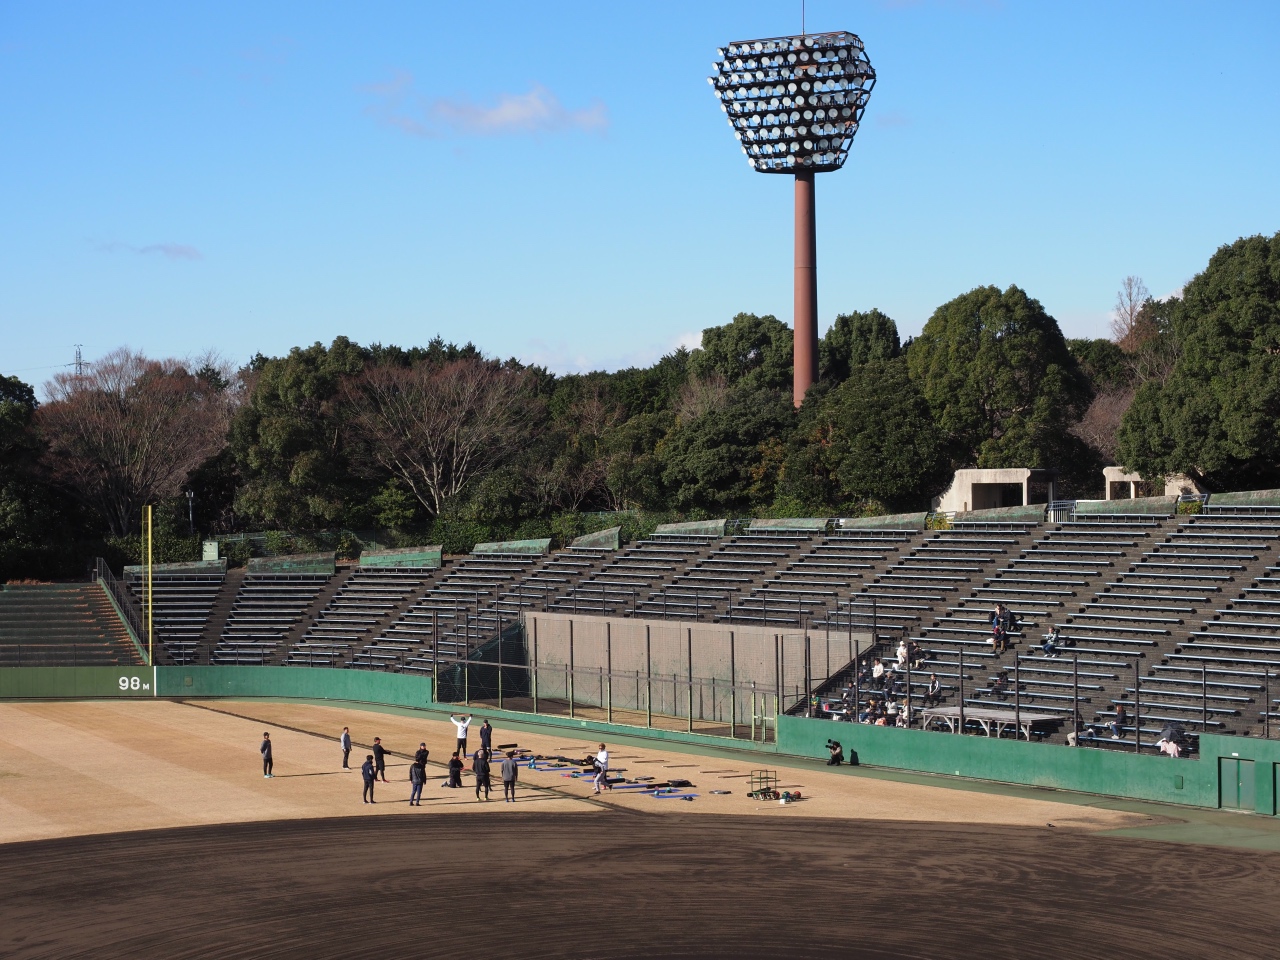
(836, 753)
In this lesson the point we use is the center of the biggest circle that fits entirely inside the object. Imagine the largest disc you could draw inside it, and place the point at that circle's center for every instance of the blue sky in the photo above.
(556, 181)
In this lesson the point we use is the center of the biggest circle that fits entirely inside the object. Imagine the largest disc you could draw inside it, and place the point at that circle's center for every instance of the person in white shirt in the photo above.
(602, 768)
(902, 654)
(462, 723)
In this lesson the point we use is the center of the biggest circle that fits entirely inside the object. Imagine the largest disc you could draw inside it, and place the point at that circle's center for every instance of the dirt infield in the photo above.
(105, 767)
(629, 885)
(236, 866)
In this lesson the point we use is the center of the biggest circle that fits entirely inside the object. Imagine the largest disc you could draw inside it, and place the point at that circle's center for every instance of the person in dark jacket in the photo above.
(480, 767)
(267, 762)
(455, 772)
(510, 773)
(417, 777)
(380, 759)
(370, 774)
(486, 737)
(422, 754)
(345, 741)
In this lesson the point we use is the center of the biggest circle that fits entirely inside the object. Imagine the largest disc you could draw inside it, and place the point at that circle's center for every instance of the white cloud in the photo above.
(170, 251)
(560, 358)
(397, 104)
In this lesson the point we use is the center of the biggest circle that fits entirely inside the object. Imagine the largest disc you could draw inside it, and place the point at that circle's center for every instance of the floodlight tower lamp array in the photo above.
(795, 102)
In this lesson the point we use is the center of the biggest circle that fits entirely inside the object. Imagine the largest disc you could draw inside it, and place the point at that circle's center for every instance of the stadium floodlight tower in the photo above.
(795, 104)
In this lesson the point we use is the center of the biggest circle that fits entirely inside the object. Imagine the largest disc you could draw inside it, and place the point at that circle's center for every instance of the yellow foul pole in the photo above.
(151, 657)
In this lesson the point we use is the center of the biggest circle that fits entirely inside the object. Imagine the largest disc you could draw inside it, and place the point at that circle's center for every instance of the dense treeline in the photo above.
(444, 443)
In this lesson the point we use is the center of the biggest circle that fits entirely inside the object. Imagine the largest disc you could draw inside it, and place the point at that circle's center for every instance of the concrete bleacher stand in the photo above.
(1177, 614)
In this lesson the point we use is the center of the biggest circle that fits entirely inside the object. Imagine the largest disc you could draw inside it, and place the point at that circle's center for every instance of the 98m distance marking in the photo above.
(133, 683)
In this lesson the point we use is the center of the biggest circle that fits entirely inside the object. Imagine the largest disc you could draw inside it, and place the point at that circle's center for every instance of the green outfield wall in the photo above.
(1112, 773)
(306, 683)
(75, 683)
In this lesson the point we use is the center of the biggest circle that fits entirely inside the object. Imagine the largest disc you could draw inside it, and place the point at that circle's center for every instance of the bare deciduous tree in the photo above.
(130, 430)
(701, 395)
(1131, 325)
(1101, 421)
(436, 427)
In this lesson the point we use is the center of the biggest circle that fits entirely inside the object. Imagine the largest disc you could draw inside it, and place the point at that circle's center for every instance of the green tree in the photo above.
(713, 462)
(882, 442)
(1102, 362)
(858, 338)
(753, 350)
(998, 376)
(290, 444)
(1215, 414)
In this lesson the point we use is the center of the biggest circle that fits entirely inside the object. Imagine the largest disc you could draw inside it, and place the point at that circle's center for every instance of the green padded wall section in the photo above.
(802, 524)
(295, 563)
(1246, 498)
(692, 528)
(893, 521)
(533, 548)
(610, 539)
(193, 567)
(1142, 506)
(402, 557)
(1033, 512)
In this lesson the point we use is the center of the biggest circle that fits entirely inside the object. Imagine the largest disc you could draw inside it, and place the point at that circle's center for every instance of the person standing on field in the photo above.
(345, 740)
(602, 769)
(370, 774)
(480, 767)
(463, 724)
(380, 759)
(265, 750)
(510, 773)
(486, 737)
(417, 777)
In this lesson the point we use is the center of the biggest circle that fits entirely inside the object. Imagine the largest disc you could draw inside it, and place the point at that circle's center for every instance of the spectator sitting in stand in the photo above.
(1051, 641)
(999, 639)
(1117, 724)
(1000, 686)
(902, 654)
(933, 693)
(877, 674)
(1010, 622)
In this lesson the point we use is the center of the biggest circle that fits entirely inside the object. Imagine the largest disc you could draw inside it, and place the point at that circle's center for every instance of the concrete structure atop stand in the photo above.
(1129, 486)
(975, 489)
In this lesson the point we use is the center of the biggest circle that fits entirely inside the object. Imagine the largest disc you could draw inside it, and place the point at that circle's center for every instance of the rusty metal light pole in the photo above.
(805, 358)
(795, 104)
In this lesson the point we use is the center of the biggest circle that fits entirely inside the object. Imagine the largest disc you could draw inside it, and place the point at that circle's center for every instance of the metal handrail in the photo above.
(124, 599)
